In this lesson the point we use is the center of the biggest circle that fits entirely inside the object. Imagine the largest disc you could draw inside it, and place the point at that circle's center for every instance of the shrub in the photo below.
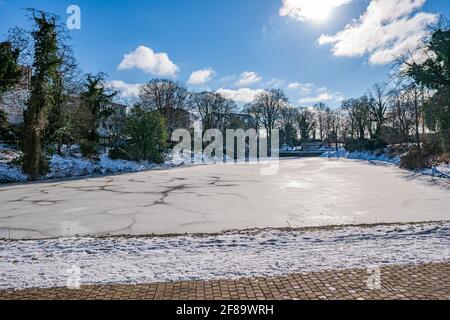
(353, 145)
(432, 146)
(88, 149)
(445, 158)
(414, 160)
(118, 154)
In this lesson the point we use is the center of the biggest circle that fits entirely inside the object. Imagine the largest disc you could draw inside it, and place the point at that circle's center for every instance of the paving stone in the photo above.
(420, 282)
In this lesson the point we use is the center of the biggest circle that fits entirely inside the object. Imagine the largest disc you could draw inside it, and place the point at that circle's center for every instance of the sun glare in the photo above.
(318, 11)
(310, 10)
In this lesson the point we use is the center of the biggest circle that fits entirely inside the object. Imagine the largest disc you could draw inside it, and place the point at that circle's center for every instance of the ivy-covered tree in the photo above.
(45, 65)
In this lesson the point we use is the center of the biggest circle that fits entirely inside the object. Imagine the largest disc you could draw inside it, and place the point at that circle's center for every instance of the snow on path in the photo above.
(45, 263)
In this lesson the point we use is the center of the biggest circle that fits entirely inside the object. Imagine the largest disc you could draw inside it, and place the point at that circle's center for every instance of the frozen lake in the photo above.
(215, 198)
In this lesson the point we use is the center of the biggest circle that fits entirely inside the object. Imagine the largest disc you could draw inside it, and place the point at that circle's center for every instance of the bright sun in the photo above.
(317, 10)
(311, 10)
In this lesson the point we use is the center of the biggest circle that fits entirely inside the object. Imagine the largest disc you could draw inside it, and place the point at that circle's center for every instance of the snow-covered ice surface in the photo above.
(44, 263)
(211, 199)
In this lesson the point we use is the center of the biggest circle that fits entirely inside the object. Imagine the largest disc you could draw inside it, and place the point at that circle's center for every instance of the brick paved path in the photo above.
(430, 281)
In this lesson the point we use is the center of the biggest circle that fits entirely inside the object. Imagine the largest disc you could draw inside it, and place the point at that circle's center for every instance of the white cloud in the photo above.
(201, 76)
(243, 95)
(303, 88)
(304, 10)
(146, 59)
(322, 96)
(248, 77)
(387, 30)
(127, 90)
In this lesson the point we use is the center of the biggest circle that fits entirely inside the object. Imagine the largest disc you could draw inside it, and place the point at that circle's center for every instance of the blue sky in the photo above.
(226, 38)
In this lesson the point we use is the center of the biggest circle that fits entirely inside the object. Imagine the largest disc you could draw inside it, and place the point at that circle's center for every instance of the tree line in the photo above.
(410, 112)
(413, 109)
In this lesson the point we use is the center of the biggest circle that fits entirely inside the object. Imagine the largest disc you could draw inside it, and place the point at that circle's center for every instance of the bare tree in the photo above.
(22, 40)
(414, 94)
(402, 116)
(330, 121)
(288, 119)
(267, 108)
(380, 97)
(321, 111)
(306, 124)
(359, 113)
(213, 109)
(170, 99)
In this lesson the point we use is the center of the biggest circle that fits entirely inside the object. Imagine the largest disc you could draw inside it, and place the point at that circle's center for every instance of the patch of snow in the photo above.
(108, 165)
(8, 154)
(44, 263)
(76, 167)
(62, 167)
(72, 165)
(11, 174)
(362, 155)
(441, 171)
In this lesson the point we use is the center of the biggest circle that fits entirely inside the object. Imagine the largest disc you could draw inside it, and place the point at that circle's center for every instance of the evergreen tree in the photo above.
(96, 102)
(434, 74)
(147, 135)
(10, 73)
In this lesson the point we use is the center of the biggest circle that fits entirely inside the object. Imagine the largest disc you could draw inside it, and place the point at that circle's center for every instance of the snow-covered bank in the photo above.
(9, 173)
(362, 155)
(62, 167)
(440, 171)
(45, 263)
(76, 166)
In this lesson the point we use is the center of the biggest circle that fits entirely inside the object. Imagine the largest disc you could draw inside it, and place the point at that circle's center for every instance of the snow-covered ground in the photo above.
(440, 171)
(48, 263)
(72, 165)
(362, 155)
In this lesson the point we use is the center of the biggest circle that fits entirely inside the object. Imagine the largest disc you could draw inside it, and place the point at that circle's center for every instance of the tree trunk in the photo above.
(34, 158)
